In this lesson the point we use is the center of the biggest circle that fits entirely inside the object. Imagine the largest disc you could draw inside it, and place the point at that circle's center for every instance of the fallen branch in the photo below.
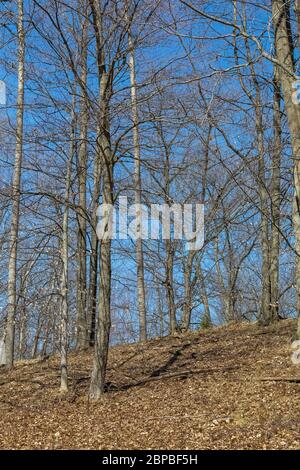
(181, 374)
(280, 379)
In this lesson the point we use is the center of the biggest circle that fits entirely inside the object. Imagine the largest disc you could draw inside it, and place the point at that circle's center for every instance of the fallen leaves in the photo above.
(231, 387)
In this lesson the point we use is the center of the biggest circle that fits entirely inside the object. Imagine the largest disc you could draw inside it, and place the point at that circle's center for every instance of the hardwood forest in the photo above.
(150, 224)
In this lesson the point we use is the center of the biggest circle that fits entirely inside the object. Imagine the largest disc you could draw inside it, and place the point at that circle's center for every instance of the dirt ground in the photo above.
(232, 387)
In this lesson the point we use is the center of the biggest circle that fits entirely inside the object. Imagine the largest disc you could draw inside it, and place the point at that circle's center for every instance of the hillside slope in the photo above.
(200, 391)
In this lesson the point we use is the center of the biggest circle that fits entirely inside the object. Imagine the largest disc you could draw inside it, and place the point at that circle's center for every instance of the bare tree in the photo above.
(82, 323)
(275, 199)
(16, 184)
(138, 193)
(104, 143)
(94, 253)
(64, 314)
(285, 55)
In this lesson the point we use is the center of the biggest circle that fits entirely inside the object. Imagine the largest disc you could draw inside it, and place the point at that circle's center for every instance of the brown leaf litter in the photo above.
(232, 387)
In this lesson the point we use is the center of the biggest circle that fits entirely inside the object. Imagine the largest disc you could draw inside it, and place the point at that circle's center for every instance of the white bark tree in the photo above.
(138, 193)
(16, 188)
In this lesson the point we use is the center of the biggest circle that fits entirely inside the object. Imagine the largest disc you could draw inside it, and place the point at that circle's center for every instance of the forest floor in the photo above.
(232, 387)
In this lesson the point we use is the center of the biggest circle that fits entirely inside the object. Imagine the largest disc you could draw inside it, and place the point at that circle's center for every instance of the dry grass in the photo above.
(200, 391)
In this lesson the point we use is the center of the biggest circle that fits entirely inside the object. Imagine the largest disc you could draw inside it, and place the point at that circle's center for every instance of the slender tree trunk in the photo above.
(297, 13)
(265, 305)
(170, 245)
(49, 326)
(36, 339)
(275, 201)
(223, 287)
(64, 308)
(138, 196)
(82, 326)
(231, 301)
(265, 317)
(170, 287)
(265, 310)
(206, 321)
(285, 56)
(12, 264)
(23, 314)
(22, 331)
(187, 309)
(160, 312)
(94, 256)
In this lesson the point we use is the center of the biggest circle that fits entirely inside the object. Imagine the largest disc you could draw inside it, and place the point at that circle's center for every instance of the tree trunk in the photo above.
(160, 313)
(206, 321)
(297, 13)
(265, 304)
(94, 256)
(14, 232)
(36, 338)
(138, 196)
(265, 317)
(170, 288)
(104, 315)
(64, 308)
(82, 326)
(223, 287)
(23, 313)
(275, 201)
(187, 309)
(284, 51)
(265, 308)
(46, 337)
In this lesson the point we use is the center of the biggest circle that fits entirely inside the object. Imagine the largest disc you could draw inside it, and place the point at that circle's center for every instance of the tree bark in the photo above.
(97, 385)
(297, 13)
(206, 321)
(265, 314)
(64, 307)
(138, 196)
(285, 55)
(170, 287)
(104, 316)
(14, 232)
(94, 256)
(275, 200)
(82, 325)
(187, 309)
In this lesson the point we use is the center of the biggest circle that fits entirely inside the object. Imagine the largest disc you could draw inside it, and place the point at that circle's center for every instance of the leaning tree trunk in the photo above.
(284, 51)
(14, 232)
(138, 197)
